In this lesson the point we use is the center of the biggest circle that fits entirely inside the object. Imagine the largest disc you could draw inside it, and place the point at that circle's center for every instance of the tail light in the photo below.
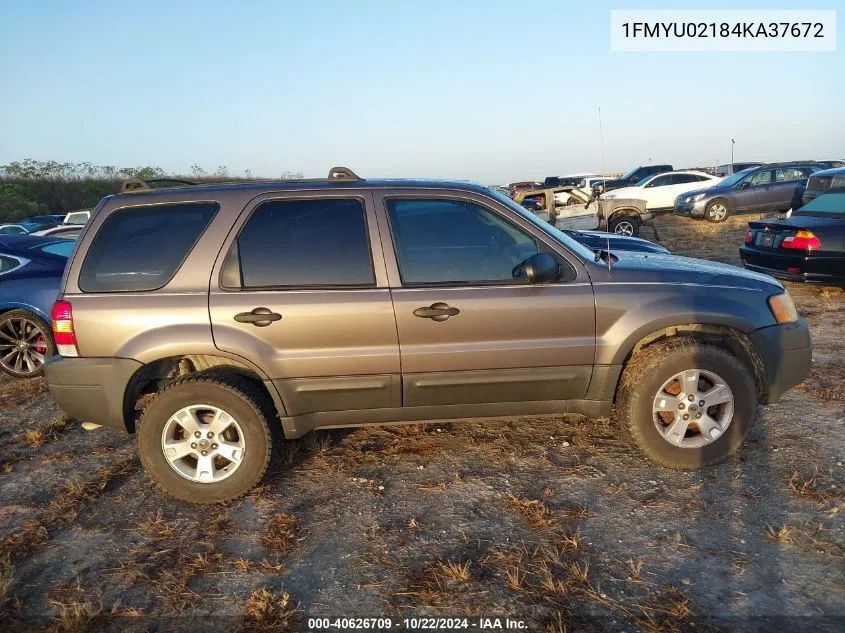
(802, 241)
(63, 334)
(748, 238)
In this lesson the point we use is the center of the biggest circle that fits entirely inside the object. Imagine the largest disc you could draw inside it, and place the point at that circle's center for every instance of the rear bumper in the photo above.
(786, 353)
(91, 389)
(803, 268)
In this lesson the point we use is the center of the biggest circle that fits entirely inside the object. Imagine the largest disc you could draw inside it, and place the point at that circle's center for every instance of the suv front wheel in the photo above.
(687, 404)
(206, 439)
(717, 210)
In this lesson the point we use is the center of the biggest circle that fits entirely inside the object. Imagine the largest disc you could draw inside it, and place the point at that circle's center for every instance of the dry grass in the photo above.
(779, 533)
(266, 611)
(37, 436)
(75, 493)
(820, 487)
(282, 535)
(6, 573)
(533, 512)
(156, 527)
(28, 538)
(21, 391)
(827, 384)
(76, 616)
(452, 571)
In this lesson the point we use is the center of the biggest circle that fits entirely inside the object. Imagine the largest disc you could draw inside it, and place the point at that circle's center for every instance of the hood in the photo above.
(656, 267)
(707, 190)
(623, 192)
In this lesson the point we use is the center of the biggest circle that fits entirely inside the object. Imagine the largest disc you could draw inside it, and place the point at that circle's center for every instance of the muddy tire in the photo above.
(206, 438)
(684, 377)
(25, 342)
(625, 225)
(717, 210)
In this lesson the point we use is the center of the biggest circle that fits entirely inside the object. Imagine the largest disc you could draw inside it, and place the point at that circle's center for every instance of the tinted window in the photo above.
(450, 241)
(140, 248)
(661, 181)
(306, 243)
(788, 174)
(761, 178)
(12, 230)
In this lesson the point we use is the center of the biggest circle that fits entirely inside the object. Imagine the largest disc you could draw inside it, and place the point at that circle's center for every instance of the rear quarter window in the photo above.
(141, 248)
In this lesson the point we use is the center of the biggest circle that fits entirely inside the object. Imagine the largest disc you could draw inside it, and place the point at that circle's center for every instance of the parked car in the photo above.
(772, 187)
(522, 185)
(30, 271)
(659, 192)
(808, 245)
(426, 300)
(69, 231)
(586, 184)
(822, 181)
(77, 217)
(732, 168)
(602, 240)
(631, 178)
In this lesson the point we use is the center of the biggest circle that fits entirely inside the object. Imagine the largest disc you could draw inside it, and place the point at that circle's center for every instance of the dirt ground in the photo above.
(555, 522)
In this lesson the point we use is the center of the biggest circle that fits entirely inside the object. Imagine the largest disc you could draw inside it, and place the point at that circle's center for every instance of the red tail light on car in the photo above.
(802, 240)
(62, 317)
(748, 238)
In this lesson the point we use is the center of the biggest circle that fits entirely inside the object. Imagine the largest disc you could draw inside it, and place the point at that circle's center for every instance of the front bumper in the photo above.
(689, 209)
(91, 389)
(786, 352)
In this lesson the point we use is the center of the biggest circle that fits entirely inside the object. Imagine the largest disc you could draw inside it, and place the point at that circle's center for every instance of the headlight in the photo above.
(783, 308)
(698, 197)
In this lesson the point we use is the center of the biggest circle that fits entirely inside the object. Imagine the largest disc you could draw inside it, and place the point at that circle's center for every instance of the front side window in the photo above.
(660, 181)
(455, 242)
(761, 178)
(141, 248)
(306, 243)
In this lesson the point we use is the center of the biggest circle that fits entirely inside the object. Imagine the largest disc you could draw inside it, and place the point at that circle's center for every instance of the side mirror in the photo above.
(744, 185)
(540, 268)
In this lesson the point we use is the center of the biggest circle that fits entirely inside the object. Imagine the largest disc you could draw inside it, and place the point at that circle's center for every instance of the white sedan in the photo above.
(660, 191)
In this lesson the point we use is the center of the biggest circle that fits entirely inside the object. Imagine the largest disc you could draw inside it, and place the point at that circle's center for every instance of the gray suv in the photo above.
(257, 312)
(772, 187)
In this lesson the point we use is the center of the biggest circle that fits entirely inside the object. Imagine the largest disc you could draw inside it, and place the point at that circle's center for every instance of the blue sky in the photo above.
(491, 91)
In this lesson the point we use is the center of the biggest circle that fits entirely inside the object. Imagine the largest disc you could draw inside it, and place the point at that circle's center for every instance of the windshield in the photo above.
(630, 174)
(730, 181)
(574, 246)
(642, 182)
(832, 203)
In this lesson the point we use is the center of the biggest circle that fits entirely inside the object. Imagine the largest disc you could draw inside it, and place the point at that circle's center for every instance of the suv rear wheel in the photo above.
(687, 404)
(717, 210)
(206, 439)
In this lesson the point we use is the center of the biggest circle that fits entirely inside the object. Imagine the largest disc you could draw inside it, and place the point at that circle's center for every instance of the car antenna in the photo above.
(607, 227)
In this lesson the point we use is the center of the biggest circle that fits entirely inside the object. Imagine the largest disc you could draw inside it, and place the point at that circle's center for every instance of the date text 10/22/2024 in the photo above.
(416, 624)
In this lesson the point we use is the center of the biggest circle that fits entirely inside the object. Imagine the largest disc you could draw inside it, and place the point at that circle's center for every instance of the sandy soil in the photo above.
(553, 522)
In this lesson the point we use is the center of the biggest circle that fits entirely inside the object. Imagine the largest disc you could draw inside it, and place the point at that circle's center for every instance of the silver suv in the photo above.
(260, 311)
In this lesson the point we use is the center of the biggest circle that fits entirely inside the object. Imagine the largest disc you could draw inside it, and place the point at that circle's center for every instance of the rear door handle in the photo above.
(259, 317)
(436, 312)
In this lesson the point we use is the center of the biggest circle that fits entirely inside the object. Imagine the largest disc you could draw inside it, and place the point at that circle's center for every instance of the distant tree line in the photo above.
(33, 187)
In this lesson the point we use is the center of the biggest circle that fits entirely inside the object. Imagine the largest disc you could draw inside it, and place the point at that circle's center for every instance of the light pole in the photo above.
(733, 142)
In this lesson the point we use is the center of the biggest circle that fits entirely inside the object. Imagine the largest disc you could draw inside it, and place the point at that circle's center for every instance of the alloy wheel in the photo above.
(203, 443)
(693, 408)
(22, 345)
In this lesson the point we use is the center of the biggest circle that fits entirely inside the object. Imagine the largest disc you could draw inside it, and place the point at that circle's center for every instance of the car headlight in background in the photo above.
(697, 197)
(783, 308)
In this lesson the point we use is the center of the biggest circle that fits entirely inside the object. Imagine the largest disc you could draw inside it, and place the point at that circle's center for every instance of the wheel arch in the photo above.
(726, 336)
(153, 375)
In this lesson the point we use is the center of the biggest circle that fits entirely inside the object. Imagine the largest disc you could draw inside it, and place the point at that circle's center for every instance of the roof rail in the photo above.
(141, 184)
(343, 174)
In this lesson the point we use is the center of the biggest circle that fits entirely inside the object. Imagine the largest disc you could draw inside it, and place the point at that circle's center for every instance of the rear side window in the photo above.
(8, 263)
(141, 248)
(306, 243)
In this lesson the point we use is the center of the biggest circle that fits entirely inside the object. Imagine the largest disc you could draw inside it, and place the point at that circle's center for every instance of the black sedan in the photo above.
(809, 245)
(600, 240)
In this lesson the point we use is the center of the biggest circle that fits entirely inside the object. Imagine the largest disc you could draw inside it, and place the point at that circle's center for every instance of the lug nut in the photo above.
(205, 452)
(193, 444)
(197, 434)
(214, 446)
(697, 415)
(682, 406)
(701, 404)
(211, 434)
(686, 417)
(691, 398)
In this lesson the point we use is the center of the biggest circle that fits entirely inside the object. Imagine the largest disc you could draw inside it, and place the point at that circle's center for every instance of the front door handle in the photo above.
(259, 317)
(436, 311)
